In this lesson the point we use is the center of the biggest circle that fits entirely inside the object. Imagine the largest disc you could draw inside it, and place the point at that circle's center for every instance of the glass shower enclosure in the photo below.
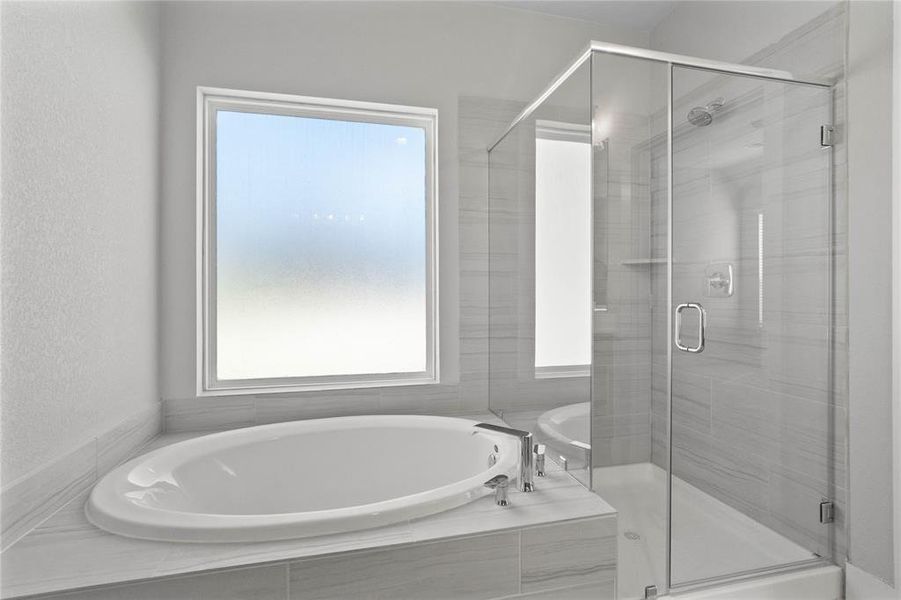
(661, 308)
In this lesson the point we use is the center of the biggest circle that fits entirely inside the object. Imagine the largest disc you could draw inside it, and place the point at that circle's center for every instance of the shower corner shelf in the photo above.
(637, 262)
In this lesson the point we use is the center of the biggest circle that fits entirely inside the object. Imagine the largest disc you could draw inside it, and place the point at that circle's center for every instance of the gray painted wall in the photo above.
(80, 87)
(870, 269)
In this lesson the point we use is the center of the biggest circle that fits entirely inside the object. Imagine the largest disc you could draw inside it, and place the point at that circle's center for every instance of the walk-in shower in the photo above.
(662, 312)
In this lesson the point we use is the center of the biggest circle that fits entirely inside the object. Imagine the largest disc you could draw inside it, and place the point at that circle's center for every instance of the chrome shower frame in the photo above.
(674, 60)
(710, 66)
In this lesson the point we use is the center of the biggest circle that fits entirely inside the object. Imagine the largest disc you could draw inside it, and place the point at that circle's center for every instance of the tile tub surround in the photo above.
(570, 560)
(66, 552)
(31, 499)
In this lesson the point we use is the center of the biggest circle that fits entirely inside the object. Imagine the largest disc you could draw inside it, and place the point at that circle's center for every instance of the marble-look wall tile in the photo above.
(337, 403)
(604, 591)
(118, 444)
(31, 499)
(569, 554)
(230, 412)
(207, 414)
(474, 567)
(259, 583)
(34, 497)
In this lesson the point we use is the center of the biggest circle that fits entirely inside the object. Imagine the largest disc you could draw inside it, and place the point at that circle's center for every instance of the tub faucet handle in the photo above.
(539, 459)
(499, 484)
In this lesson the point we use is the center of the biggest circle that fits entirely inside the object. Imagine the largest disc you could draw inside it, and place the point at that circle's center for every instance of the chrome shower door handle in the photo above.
(702, 327)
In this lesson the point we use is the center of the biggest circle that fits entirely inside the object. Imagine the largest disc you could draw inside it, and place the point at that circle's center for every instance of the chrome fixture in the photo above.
(525, 453)
(719, 280)
(539, 459)
(827, 512)
(827, 136)
(702, 328)
(659, 57)
(702, 116)
(499, 484)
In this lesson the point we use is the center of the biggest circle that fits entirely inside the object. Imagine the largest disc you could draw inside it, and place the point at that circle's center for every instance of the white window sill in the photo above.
(562, 372)
(237, 390)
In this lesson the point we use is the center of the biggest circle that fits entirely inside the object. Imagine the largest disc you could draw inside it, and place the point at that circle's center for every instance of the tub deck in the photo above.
(67, 553)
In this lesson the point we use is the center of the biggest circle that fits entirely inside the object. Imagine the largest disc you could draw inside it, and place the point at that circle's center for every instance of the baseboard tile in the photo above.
(33, 498)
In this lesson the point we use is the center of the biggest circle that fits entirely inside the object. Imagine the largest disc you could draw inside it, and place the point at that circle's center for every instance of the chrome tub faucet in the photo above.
(526, 463)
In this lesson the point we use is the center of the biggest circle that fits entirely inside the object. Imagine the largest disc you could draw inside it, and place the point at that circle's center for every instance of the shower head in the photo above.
(702, 116)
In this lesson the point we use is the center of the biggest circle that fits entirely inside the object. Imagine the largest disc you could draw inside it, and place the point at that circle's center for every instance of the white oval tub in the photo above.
(567, 425)
(302, 478)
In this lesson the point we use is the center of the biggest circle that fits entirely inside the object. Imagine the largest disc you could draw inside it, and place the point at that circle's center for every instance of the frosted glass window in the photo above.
(562, 256)
(321, 248)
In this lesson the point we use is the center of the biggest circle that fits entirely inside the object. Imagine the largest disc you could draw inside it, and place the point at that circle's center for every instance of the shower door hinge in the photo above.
(650, 592)
(827, 512)
(827, 133)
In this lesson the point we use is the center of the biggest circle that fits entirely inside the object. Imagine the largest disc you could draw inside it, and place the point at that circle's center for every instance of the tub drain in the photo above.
(631, 535)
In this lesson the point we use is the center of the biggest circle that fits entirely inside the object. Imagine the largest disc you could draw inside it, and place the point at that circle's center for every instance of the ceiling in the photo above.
(643, 15)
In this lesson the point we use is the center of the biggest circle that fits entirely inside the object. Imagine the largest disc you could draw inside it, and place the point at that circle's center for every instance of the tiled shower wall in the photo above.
(753, 422)
(621, 361)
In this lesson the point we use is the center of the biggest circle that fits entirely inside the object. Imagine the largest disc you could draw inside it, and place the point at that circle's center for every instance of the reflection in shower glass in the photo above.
(562, 251)
(540, 275)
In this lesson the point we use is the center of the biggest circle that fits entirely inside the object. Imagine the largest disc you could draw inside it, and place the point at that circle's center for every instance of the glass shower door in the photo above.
(757, 441)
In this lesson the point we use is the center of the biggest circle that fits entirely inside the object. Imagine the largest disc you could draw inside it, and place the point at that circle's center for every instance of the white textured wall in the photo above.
(414, 53)
(80, 89)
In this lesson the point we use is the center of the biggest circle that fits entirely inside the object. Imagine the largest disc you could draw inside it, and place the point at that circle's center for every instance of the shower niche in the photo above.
(661, 307)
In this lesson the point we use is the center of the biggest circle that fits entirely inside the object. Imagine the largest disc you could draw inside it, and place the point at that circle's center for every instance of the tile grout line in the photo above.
(519, 578)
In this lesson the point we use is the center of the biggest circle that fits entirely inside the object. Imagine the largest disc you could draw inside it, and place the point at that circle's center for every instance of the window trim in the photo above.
(212, 99)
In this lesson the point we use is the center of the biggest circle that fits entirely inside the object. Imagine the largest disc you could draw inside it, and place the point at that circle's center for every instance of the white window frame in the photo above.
(209, 101)
(566, 132)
